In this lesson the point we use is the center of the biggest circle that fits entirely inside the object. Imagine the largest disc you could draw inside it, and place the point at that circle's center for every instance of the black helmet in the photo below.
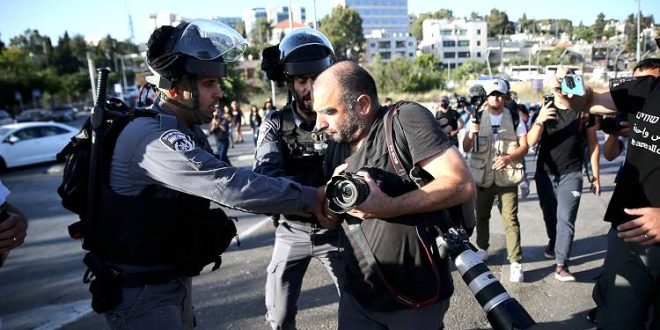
(305, 51)
(302, 51)
(200, 48)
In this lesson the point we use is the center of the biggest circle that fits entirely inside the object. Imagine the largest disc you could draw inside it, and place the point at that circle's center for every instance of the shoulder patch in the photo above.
(177, 141)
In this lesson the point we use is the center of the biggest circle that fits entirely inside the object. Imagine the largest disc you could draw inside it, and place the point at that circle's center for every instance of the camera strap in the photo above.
(423, 236)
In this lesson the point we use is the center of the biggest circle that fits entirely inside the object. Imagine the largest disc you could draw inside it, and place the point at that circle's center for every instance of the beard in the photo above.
(304, 102)
(350, 129)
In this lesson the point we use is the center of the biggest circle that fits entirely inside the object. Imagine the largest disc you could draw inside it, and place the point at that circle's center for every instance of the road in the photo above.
(41, 281)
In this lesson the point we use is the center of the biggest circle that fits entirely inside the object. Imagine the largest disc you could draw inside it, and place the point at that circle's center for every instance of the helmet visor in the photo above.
(210, 40)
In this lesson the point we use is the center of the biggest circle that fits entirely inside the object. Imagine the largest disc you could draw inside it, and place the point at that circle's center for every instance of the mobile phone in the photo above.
(572, 84)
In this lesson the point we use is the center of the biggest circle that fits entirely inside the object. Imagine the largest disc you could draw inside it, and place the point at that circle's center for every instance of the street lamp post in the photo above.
(637, 54)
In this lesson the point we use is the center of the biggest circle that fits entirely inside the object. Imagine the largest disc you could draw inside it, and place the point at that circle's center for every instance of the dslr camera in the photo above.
(347, 190)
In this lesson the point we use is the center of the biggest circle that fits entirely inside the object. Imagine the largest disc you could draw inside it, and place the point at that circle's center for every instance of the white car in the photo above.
(33, 142)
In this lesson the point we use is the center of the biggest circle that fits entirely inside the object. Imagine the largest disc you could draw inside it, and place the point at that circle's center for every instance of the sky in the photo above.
(95, 19)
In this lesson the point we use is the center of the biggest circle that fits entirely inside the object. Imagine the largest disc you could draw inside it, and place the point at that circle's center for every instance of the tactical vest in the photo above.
(507, 142)
(302, 160)
(145, 230)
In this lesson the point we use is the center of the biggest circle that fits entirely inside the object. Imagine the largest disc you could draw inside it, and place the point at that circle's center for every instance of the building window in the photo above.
(401, 44)
(410, 44)
(445, 32)
(449, 55)
(386, 55)
(372, 44)
(464, 43)
(449, 43)
(478, 42)
(461, 32)
(478, 31)
(411, 55)
(478, 54)
(463, 54)
(384, 44)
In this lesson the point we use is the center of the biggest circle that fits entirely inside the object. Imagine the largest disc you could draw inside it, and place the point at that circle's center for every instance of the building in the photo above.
(454, 42)
(251, 16)
(273, 15)
(281, 29)
(389, 45)
(165, 18)
(390, 15)
(234, 22)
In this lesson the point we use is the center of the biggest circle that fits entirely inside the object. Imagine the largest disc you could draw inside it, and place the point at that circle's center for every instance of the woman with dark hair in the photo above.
(255, 122)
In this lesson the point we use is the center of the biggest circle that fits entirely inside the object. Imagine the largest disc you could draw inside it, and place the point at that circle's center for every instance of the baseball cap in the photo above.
(495, 85)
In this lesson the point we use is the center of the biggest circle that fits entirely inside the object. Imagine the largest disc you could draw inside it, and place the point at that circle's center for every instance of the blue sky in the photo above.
(99, 18)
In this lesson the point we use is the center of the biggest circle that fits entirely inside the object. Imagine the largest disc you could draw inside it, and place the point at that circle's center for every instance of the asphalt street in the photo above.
(41, 287)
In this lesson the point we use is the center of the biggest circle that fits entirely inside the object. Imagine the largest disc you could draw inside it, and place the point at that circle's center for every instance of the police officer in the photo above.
(287, 147)
(163, 175)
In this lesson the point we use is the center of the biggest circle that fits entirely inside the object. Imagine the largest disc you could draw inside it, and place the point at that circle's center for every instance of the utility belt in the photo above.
(107, 281)
(302, 223)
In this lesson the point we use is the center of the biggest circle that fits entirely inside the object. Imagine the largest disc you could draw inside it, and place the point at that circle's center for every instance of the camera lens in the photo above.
(345, 192)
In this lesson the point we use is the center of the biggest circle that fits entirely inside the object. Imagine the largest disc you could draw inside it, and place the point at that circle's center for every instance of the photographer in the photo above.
(154, 212)
(287, 147)
(346, 103)
(562, 134)
(497, 142)
(628, 286)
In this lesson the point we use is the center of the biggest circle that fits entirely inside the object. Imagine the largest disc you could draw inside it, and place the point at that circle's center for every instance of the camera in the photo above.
(476, 96)
(614, 82)
(347, 190)
(612, 125)
(548, 98)
(572, 84)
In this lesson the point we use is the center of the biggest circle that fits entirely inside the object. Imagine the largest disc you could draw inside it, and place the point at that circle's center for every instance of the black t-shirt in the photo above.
(393, 242)
(561, 148)
(451, 115)
(639, 182)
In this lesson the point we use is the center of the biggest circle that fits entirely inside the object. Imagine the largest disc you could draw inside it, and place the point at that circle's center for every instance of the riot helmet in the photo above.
(302, 51)
(200, 48)
(305, 51)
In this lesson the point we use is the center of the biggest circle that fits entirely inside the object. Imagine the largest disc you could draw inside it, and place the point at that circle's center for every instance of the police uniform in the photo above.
(284, 148)
(163, 173)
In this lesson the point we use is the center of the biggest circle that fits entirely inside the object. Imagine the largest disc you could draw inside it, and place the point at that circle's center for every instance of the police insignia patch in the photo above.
(177, 141)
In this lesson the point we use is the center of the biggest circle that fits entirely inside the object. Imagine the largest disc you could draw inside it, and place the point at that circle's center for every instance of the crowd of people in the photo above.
(380, 251)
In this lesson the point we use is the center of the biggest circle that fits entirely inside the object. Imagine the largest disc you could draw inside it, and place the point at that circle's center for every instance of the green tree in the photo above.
(583, 33)
(409, 76)
(475, 16)
(416, 24)
(599, 25)
(344, 29)
(498, 23)
(469, 70)
(65, 61)
(631, 31)
(261, 32)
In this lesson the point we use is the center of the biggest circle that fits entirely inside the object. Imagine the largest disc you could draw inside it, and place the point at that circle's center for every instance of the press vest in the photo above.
(506, 143)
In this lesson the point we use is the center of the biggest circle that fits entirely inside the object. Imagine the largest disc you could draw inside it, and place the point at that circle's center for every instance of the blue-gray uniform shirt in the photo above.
(166, 152)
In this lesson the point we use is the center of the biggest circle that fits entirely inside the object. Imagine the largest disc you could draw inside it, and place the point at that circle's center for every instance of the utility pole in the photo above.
(637, 54)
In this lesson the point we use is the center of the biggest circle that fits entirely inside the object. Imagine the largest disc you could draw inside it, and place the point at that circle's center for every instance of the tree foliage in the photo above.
(261, 32)
(631, 31)
(416, 24)
(408, 76)
(498, 23)
(344, 29)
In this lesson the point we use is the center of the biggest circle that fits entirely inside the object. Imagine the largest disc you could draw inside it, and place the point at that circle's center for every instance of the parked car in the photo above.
(65, 113)
(34, 115)
(34, 142)
(5, 118)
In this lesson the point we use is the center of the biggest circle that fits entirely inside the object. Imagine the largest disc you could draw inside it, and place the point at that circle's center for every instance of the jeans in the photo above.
(223, 148)
(559, 196)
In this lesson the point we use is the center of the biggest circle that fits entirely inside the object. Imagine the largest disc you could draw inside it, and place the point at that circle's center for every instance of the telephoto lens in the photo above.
(503, 311)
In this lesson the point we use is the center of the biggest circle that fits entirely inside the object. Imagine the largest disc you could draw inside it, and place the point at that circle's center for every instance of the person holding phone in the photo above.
(562, 135)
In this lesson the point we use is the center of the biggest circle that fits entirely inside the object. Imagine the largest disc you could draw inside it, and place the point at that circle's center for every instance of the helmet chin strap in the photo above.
(194, 109)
